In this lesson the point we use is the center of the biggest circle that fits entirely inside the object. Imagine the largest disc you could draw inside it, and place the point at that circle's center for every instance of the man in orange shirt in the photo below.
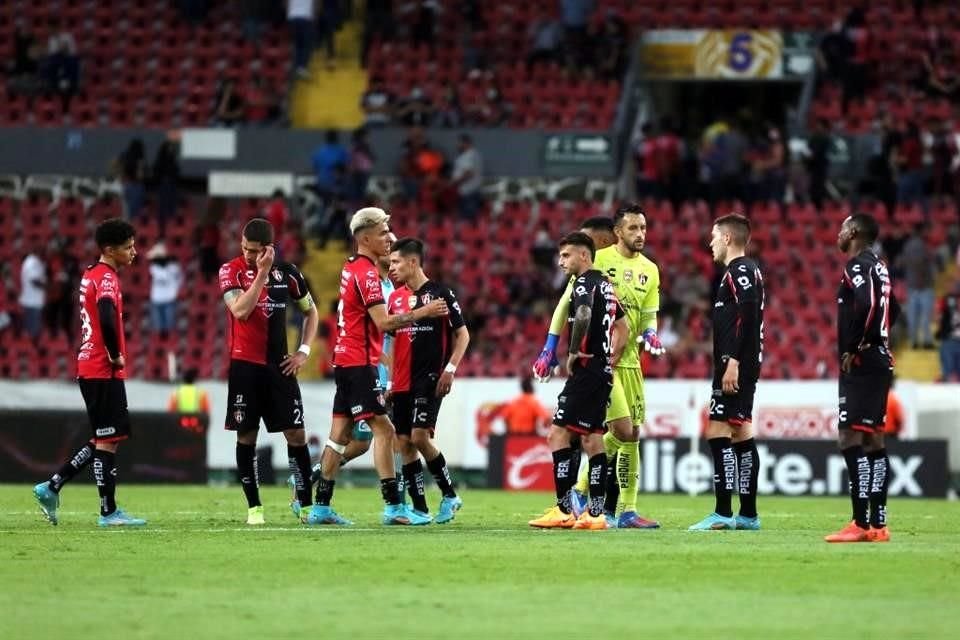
(893, 424)
(525, 415)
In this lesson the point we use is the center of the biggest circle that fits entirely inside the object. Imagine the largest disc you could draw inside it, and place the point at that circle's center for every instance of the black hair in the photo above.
(526, 385)
(866, 225)
(627, 209)
(258, 230)
(410, 247)
(599, 223)
(738, 224)
(332, 137)
(114, 232)
(578, 239)
(278, 193)
(190, 375)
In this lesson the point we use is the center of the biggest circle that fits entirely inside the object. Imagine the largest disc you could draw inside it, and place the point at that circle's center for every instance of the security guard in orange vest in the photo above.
(188, 398)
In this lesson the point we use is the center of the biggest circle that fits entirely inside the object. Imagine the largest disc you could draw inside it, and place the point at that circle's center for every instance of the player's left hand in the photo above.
(572, 359)
(651, 342)
(847, 362)
(444, 384)
(731, 377)
(290, 366)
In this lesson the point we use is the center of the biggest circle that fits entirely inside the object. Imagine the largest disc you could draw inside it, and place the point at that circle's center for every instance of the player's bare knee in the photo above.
(717, 429)
(873, 441)
(247, 438)
(108, 446)
(849, 438)
(381, 426)
(558, 438)
(623, 430)
(592, 444)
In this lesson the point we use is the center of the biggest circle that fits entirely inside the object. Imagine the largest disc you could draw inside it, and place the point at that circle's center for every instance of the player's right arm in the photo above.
(547, 360)
(391, 322)
(242, 303)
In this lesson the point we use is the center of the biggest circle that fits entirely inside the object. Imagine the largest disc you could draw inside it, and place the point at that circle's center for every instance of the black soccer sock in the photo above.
(879, 481)
(438, 468)
(748, 463)
(105, 475)
(324, 491)
(247, 470)
(724, 475)
(613, 486)
(858, 468)
(413, 478)
(80, 459)
(597, 478)
(562, 480)
(390, 490)
(299, 460)
(576, 458)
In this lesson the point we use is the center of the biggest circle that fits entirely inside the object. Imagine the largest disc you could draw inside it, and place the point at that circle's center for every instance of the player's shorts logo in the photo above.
(238, 416)
(106, 431)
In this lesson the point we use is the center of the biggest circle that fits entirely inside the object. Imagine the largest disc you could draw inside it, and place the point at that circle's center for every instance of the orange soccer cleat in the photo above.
(592, 523)
(850, 533)
(554, 519)
(881, 534)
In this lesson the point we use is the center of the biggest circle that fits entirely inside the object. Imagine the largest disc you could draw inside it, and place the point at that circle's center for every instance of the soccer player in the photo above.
(737, 354)
(262, 380)
(100, 374)
(636, 282)
(425, 358)
(866, 311)
(363, 319)
(598, 335)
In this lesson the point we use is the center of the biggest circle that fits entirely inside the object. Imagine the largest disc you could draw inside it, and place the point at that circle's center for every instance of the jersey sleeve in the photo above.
(297, 283)
(371, 291)
(743, 287)
(228, 278)
(583, 292)
(108, 288)
(456, 313)
(559, 320)
(651, 302)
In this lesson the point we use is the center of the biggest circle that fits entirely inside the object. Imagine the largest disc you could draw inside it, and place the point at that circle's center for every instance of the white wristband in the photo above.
(304, 349)
(389, 385)
(449, 368)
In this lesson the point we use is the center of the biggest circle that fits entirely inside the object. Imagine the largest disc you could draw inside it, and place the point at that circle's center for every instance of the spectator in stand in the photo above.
(768, 175)
(948, 332)
(416, 110)
(63, 63)
(918, 263)
(359, 169)
(24, 70)
(856, 77)
(328, 24)
(545, 35)
(378, 24)
(377, 103)
(131, 166)
(908, 158)
(647, 163)
(832, 53)
(33, 285)
(575, 16)
(690, 287)
(325, 160)
(166, 176)
(229, 109)
(879, 180)
(943, 152)
(448, 113)
(277, 213)
(333, 221)
(208, 237)
(262, 103)
(612, 46)
(468, 178)
(165, 280)
(300, 17)
(63, 271)
(818, 162)
(942, 78)
(525, 415)
(669, 150)
(424, 26)
(254, 14)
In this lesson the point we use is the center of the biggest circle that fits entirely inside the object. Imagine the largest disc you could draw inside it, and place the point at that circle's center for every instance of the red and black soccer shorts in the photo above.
(582, 405)
(106, 400)
(256, 391)
(359, 395)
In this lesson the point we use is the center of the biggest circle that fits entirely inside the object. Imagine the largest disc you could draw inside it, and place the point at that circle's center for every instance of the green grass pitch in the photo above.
(197, 571)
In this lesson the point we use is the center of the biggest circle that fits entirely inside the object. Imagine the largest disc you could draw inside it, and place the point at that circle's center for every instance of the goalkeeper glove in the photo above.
(544, 364)
(651, 342)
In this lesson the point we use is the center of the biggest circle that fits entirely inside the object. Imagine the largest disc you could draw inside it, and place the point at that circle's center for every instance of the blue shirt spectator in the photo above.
(325, 160)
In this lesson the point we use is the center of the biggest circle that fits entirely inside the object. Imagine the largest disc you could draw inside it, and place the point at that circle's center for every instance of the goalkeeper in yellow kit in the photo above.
(636, 280)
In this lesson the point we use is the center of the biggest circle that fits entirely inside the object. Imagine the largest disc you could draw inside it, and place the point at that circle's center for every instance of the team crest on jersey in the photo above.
(426, 298)
(411, 302)
(628, 275)
(643, 279)
(277, 275)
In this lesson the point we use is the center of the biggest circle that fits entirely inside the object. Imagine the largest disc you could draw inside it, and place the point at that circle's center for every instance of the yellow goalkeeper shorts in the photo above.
(626, 397)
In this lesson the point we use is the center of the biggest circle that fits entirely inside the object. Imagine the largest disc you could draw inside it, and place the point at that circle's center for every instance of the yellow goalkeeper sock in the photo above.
(610, 445)
(628, 466)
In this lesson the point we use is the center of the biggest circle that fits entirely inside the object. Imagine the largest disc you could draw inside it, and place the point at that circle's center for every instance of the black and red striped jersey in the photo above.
(422, 350)
(866, 306)
(592, 289)
(738, 318)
